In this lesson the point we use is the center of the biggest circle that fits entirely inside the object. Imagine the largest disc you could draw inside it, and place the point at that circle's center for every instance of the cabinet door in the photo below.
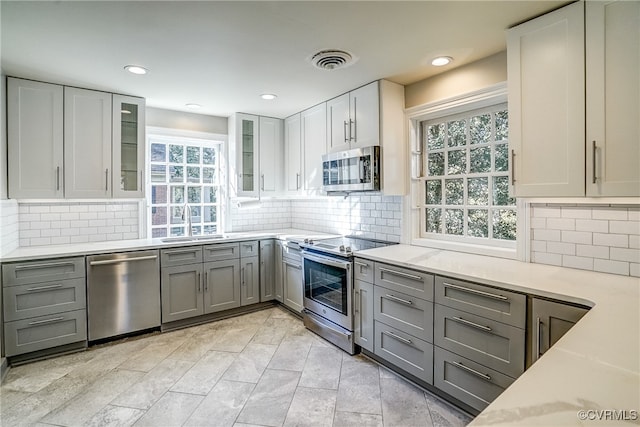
(267, 270)
(181, 289)
(270, 155)
(87, 143)
(221, 285)
(364, 105)
(249, 281)
(613, 98)
(546, 104)
(35, 135)
(338, 123)
(293, 153)
(247, 152)
(363, 314)
(279, 271)
(314, 138)
(549, 322)
(292, 278)
(128, 146)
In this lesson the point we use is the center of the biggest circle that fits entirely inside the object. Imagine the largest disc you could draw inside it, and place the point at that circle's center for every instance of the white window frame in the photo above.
(488, 97)
(167, 135)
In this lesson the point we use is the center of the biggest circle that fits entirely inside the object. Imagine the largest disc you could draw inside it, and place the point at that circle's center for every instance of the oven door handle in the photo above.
(345, 265)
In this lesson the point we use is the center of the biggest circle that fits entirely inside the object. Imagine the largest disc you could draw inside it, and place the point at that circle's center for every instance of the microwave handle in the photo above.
(361, 170)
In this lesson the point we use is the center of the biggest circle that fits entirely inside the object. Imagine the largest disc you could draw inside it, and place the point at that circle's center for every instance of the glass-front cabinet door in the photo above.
(247, 132)
(128, 146)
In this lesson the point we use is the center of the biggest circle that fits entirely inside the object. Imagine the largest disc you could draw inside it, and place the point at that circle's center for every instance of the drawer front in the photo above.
(497, 304)
(363, 270)
(467, 381)
(410, 282)
(248, 249)
(405, 351)
(490, 343)
(39, 333)
(180, 256)
(407, 313)
(293, 253)
(221, 252)
(41, 299)
(47, 270)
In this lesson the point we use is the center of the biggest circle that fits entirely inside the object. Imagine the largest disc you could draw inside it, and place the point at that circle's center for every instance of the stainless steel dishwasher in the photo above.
(123, 293)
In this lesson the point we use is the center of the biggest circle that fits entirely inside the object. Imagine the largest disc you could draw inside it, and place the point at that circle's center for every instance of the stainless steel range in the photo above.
(327, 272)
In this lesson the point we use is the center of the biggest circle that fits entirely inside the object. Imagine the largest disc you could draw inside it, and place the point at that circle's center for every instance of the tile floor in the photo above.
(262, 368)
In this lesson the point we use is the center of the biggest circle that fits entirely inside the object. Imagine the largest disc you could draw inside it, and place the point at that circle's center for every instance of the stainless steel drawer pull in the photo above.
(44, 288)
(117, 261)
(362, 264)
(398, 337)
(42, 322)
(395, 298)
(189, 251)
(473, 371)
(475, 291)
(401, 274)
(472, 324)
(36, 266)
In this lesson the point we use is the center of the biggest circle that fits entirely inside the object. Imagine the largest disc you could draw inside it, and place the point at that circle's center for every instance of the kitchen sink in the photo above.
(192, 238)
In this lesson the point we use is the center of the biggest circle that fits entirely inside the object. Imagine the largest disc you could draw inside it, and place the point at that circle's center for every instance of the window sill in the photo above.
(498, 252)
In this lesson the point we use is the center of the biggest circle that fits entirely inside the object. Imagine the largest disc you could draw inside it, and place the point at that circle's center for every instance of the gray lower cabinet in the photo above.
(249, 280)
(468, 381)
(406, 312)
(292, 283)
(278, 281)
(267, 270)
(407, 352)
(221, 285)
(363, 314)
(549, 321)
(181, 288)
(44, 304)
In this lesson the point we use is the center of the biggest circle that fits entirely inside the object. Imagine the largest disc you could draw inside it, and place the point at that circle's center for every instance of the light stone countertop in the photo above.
(595, 366)
(79, 249)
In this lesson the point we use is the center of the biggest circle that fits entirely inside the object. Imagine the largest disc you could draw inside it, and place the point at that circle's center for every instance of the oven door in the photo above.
(328, 285)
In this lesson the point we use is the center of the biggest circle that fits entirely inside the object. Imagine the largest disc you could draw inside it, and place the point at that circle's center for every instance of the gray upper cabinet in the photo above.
(549, 321)
(128, 146)
(221, 285)
(87, 143)
(249, 281)
(267, 270)
(35, 135)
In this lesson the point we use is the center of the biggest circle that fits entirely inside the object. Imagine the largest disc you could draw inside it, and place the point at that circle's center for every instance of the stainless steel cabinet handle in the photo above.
(298, 181)
(262, 185)
(141, 180)
(345, 132)
(513, 167)
(399, 338)
(355, 308)
(401, 274)
(594, 176)
(362, 264)
(117, 261)
(395, 298)
(538, 336)
(46, 265)
(472, 324)
(199, 283)
(475, 291)
(352, 131)
(106, 180)
(58, 178)
(44, 288)
(42, 322)
(242, 276)
(206, 281)
(473, 371)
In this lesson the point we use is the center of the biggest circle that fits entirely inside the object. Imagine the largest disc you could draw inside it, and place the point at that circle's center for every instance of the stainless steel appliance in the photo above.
(327, 275)
(351, 170)
(123, 293)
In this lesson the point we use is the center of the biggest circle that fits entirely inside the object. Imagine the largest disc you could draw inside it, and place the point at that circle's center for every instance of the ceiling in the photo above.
(223, 55)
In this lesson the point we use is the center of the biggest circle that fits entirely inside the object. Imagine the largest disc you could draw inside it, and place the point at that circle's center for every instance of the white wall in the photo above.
(270, 215)
(158, 117)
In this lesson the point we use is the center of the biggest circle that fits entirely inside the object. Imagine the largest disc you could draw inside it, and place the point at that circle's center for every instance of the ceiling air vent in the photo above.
(332, 59)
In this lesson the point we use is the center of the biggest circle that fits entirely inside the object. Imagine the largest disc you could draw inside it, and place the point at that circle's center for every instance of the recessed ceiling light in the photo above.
(136, 69)
(193, 106)
(268, 96)
(441, 60)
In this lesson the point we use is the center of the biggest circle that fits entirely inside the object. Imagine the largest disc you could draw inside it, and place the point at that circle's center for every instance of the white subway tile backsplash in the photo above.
(621, 254)
(634, 242)
(593, 225)
(634, 270)
(545, 212)
(624, 227)
(610, 213)
(608, 266)
(548, 235)
(592, 251)
(546, 258)
(583, 237)
(561, 248)
(582, 263)
(617, 240)
(575, 212)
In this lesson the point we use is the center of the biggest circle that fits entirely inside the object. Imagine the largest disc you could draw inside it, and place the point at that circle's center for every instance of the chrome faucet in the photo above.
(186, 216)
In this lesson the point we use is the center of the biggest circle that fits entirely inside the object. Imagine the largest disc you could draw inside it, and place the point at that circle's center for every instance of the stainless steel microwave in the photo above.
(351, 170)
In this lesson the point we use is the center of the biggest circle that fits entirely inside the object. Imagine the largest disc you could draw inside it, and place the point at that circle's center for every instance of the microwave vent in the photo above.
(332, 59)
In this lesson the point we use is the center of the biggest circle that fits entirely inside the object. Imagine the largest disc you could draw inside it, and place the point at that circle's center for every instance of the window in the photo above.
(464, 178)
(184, 171)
